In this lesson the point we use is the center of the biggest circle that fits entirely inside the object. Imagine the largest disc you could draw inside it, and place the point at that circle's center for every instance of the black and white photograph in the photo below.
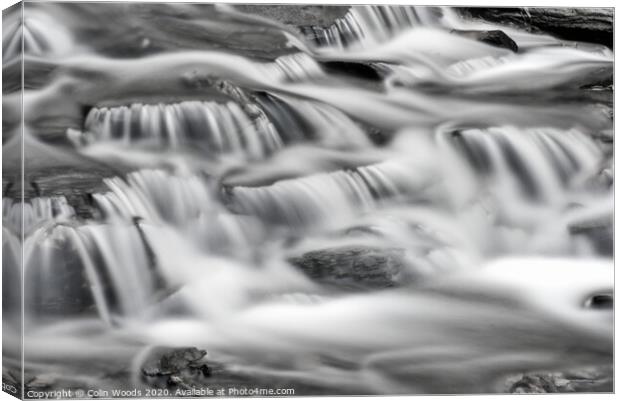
(215, 200)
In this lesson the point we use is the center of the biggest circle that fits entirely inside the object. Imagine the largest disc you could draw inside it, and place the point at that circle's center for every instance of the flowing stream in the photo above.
(475, 171)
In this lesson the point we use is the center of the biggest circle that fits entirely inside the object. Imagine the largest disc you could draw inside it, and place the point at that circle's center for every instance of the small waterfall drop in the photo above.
(100, 267)
(299, 67)
(185, 202)
(35, 211)
(326, 198)
(221, 128)
(365, 26)
(535, 163)
(327, 125)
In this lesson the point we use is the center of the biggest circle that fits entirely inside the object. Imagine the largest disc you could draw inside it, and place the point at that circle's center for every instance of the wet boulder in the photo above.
(355, 267)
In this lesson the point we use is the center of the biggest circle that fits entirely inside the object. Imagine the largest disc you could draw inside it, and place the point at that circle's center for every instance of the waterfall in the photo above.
(319, 199)
(365, 26)
(185, 202)
(327, 125)
(71, 269)
(299, 67)
(100, 267)
(35, 211)
(156, 196)
(220, 127)
(535, 163)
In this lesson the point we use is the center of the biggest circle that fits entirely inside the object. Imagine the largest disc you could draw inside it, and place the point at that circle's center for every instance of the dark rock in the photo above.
(175, 367)
(173, 361)
(594, 25)
(495, 38)
(355, 267)
(535, 384)
(592, 379)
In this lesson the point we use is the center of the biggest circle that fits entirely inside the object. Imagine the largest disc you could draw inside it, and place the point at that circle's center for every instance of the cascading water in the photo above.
(377, 204)
(299, 67)
(535, 163)
(187, 203)
(38, 210)
(93, 258)
(321, 198)
(224, 128)
(364, 26)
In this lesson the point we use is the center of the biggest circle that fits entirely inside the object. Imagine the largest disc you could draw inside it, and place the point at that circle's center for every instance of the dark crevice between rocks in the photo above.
(495, 38)
(600, 301)
(353, 69)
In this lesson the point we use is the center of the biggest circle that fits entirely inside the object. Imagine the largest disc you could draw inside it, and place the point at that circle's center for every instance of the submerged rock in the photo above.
(355, 267)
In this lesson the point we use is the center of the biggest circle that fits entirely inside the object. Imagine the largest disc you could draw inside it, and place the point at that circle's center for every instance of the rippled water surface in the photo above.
(339, 200)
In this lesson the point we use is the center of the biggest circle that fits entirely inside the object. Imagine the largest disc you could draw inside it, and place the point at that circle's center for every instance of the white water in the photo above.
(191, 249)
